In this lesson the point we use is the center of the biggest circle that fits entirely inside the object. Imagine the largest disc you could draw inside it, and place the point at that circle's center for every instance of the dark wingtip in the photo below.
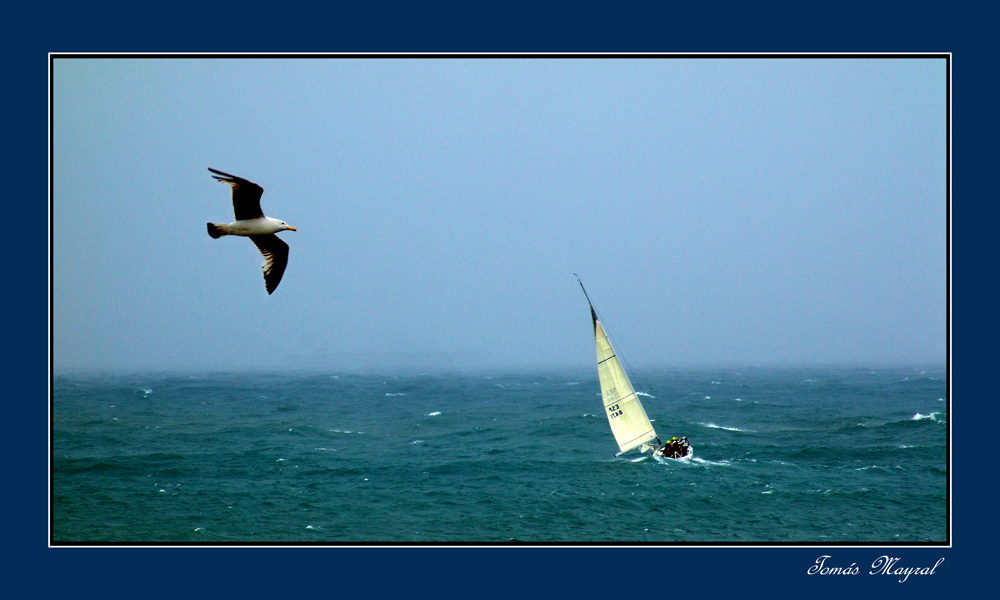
(270, 285)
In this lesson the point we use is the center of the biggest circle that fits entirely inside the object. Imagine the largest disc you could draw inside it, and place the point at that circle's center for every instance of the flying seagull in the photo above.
(250, 222)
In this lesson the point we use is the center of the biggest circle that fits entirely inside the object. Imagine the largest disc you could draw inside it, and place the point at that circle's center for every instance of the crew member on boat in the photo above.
(675, 448)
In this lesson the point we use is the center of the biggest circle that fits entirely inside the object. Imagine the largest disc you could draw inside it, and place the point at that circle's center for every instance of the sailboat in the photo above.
(629, 423)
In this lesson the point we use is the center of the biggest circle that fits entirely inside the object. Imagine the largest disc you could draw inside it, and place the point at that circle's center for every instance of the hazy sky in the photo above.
(719, 211)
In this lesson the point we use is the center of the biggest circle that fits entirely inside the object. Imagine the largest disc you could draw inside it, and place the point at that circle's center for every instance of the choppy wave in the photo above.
(710, 463)
(714, 426)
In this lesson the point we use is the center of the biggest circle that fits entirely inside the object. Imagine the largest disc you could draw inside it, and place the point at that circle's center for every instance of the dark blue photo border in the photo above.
(493, 572)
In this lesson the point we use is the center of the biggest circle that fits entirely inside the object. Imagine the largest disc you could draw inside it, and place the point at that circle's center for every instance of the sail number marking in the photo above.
(614, 411)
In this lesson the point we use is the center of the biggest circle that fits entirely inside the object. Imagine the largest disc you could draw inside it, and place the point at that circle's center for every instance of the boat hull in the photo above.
(659, 453)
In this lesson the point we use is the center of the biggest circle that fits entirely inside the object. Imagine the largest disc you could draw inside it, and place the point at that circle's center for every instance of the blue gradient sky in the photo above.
(720, 211)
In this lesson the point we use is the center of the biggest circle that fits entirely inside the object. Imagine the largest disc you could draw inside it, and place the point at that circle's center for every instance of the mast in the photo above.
(593, 313)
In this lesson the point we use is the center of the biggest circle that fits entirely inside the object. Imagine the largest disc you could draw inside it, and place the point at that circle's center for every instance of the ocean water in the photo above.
(796, 455)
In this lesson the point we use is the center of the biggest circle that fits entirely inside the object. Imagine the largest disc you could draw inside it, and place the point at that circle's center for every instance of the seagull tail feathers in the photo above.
(216, 231)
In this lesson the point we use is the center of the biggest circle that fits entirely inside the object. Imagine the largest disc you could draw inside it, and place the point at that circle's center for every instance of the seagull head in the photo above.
(271, 225)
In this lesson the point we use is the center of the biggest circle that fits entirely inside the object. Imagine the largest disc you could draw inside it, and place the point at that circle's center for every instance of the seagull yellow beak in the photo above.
(291, 229)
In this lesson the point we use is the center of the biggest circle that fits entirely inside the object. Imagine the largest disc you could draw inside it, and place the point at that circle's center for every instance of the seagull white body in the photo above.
(250, 222)
(258, 226)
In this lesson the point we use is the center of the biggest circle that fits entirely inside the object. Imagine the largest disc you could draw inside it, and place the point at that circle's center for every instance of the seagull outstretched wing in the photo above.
(275, 253)
(246, 196)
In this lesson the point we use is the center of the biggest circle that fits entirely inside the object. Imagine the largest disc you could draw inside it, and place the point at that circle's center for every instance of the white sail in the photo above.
(628, 420)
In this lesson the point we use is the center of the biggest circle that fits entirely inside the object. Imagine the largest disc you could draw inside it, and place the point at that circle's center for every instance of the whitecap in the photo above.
(718, 463)
(418, 441)
(645, 394)
(714, 426)
(434, 414)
